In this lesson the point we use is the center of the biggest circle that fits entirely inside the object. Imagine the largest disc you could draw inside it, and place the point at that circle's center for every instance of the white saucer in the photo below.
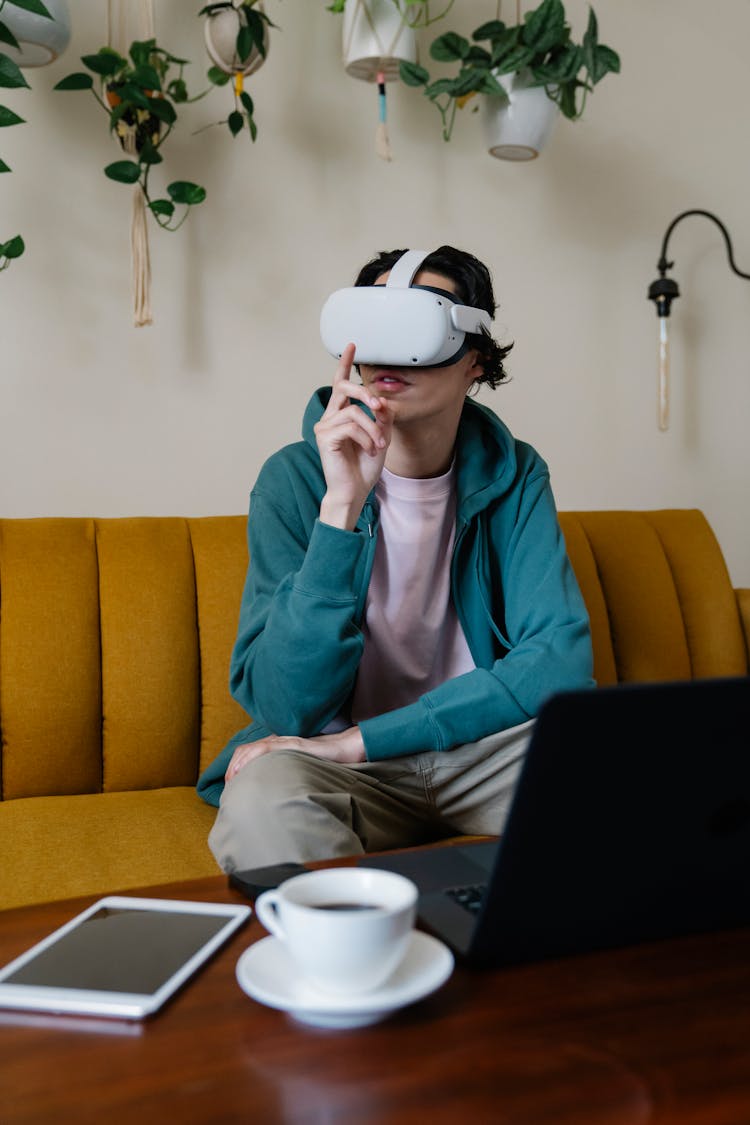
(266, 972)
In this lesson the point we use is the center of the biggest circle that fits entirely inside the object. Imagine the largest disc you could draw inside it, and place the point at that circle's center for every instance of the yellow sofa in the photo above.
(115, 636)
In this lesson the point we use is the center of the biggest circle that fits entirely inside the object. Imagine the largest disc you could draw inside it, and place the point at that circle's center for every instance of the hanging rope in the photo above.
(117, 16)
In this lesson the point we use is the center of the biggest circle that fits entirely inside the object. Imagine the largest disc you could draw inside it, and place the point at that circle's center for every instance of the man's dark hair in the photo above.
(473, 286)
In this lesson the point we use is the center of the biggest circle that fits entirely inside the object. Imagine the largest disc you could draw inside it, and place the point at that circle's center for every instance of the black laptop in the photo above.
(630, 823)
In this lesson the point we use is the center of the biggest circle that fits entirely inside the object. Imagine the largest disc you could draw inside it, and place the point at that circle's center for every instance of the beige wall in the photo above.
(99, 417)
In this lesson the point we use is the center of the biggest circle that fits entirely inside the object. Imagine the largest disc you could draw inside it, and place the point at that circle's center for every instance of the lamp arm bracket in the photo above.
(663, 265)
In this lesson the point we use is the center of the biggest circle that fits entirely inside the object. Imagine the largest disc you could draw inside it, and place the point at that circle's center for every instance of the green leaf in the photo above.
(590, 40)
(560, 66)
(146, 77)
(117, 112)
(149, 154)
(7, 36)
(255, 25)
(162, 207)
(79, 81)
(515, 60)
(8, 117)
(449, 47)
(182, 191)
(178, 91)
(567, 100)
(236, 123)
(124, 171)
(141, 51)
(544, 26)
(245, 43)
(105, 62)
(606, 61)
(495, 29)
(11, 75)
(134, 95)
(503, 44)
(13, 248)
(412, 74)
(4, 167)
(252, 127)
(441, 86)
(490, 85)
(247, 102)
(480, 56)
(35, 6)
(218, 77)
(469, 81)
(162, 109)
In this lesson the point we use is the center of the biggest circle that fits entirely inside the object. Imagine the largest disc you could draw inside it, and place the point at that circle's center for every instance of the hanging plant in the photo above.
(379, 35)
(237, 42)
(539, 49)
(12, 78)
(416, 13)
(139, 95)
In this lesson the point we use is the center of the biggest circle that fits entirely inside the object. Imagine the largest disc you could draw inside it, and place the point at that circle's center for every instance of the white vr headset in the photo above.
(399, 324)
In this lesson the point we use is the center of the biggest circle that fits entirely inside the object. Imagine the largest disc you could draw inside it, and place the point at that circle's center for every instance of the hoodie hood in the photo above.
(486, 458)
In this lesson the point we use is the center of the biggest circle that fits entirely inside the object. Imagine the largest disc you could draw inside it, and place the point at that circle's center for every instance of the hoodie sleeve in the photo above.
(545, 636)
(298, 647)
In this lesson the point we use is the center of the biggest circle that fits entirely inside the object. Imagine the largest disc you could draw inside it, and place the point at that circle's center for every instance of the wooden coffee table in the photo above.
(657, 1034)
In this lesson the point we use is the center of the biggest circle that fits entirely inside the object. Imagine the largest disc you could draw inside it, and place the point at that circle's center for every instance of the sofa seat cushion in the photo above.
(100, 843)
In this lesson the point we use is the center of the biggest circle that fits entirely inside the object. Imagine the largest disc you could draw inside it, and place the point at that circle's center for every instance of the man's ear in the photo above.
(476, 369)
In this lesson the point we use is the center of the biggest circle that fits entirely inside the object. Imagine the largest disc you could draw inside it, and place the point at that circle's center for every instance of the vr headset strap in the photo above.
(403, 271)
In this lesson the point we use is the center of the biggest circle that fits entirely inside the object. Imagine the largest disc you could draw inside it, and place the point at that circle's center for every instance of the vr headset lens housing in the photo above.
(398, 324)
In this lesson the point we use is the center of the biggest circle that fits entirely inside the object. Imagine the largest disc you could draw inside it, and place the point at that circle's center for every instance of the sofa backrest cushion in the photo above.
(659, 595)
(115, 637)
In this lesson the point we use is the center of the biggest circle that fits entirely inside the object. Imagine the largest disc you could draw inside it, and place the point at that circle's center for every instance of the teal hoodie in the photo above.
(300, 641)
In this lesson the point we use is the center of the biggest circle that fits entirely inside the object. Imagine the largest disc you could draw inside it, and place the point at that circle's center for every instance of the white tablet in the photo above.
(122, 957)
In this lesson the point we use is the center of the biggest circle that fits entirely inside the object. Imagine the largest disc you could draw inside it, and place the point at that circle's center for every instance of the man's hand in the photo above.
(352, 446)
(344, 746)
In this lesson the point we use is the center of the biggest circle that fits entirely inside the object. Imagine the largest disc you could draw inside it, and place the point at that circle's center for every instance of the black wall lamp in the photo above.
(663, 291)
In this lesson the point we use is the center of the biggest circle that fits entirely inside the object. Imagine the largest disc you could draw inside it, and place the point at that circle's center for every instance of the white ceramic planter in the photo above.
(518, 126)
(41, 40)
(376, 40)
(220, 34)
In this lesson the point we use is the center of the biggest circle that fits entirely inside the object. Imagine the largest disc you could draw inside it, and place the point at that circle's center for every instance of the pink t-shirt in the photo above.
(413, 638)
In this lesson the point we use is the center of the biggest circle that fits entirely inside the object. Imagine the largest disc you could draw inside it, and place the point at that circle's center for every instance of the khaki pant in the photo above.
(288, 805)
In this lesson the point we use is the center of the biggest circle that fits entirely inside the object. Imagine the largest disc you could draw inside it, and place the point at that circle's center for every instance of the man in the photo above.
(409, 603)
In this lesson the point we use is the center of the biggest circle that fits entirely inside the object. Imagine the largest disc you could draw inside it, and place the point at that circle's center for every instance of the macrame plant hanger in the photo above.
(119, 38)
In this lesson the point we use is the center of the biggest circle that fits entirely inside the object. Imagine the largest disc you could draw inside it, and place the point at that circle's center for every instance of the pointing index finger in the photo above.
(344, 369)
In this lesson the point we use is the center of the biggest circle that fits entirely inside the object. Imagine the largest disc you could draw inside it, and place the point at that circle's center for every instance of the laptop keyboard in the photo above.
(470, 897)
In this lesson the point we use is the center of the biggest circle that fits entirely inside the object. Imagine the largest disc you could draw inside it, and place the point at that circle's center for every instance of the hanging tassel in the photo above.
(141, 261)
(382, 142)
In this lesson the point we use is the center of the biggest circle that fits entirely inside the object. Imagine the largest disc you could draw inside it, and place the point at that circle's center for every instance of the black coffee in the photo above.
(343, 906)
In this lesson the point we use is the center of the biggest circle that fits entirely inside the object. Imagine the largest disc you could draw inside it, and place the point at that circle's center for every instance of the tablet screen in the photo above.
(118, 950)
(122, 956)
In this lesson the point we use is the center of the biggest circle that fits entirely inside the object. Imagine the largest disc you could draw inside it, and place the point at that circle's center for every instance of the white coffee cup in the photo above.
(347, 929)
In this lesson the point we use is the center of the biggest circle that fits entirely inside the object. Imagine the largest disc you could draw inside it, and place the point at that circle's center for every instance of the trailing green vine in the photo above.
(12, 78)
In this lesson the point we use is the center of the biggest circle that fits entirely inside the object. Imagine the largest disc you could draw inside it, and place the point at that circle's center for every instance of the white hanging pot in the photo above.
(41, 40)
(220, 33)
(518, 126)
(377, 40)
